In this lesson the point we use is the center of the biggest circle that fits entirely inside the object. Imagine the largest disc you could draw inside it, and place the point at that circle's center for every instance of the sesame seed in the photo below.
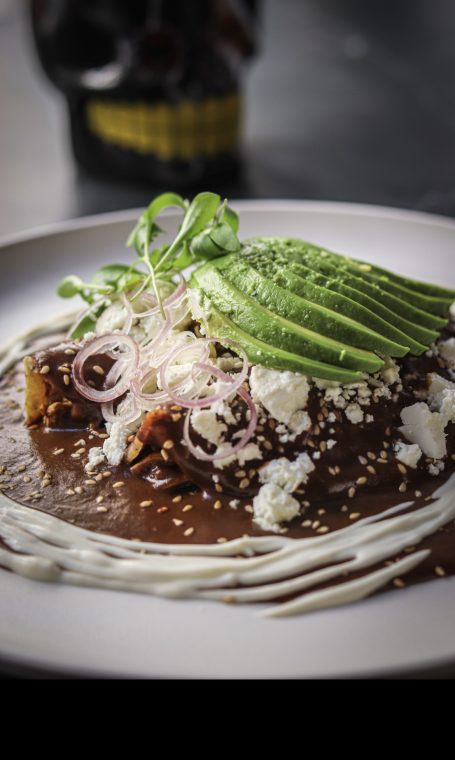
(99, 370)
(351, 492)
(268, 445)
(162, 510)
(118, 484)
(66, 379)
(70, 352)
(440, 571)
(64, 370)
(371, 455)
(218, 488)
(176, 417)
(221, 540)
(381, 461)
(146, 503)
(306, 524)
(217, 504)
(81, 442)
(402, 487)
(383, 454)
(332, 471)
(244, 483)
(106, 474)
(168, 444)
(363, 460)
(187, 507)
(344, 508)
(371, 469)
(177, 498)
(402, 468)
(57, 452)
(99, 499)
(188, 532)
(75, 455)
(102, 509)
(354, 515)
(321, 511)
(70, 492)
(45, 370)
(316, 524)
(323, 529)
(131, 438)
(176, 408)
(240, 474)
(103, 435)
(79, 490)
(361, 481)
(249, 508)
(46, 482)
(90, 482)
(21, 468)
(164, 455)
(323, 446)
(399, 583)
(418, 494)
(177, 522)
(98, 477)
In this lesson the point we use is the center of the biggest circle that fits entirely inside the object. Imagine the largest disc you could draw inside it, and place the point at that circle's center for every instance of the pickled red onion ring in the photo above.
(119, 374)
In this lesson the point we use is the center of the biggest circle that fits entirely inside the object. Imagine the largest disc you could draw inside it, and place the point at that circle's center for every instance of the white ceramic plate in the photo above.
(89, 631)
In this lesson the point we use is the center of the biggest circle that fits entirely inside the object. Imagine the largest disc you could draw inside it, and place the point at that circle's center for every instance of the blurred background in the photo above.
(104, 104)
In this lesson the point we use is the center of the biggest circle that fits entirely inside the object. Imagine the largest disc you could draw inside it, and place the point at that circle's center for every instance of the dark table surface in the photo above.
(348, 100)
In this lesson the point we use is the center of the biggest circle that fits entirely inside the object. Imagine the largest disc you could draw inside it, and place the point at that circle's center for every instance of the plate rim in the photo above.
(80, 223)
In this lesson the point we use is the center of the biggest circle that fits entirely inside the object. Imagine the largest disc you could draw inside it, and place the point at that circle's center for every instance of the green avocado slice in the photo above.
(220, 326)
(315, 288)
(330, 279)
(278, 332)
(422, 335)
(316, 316)
(437, 291)
(437, 306)
(330, 264)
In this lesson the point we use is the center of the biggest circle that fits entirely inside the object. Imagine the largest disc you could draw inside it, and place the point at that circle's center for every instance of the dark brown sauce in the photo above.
(34, 475)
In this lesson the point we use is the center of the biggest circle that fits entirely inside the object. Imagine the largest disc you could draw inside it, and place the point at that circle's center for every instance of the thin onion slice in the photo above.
(201, 403)
(118, 376)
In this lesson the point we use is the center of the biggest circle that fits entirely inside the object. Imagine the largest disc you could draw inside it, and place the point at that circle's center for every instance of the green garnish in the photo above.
(289, 303)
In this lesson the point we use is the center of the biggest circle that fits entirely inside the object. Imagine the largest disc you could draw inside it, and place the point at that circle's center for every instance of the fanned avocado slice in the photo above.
(316, 288)
(220, 326)
(422, 335)
(334, 265)
(278, 332)
(317, 316)
(437, 291)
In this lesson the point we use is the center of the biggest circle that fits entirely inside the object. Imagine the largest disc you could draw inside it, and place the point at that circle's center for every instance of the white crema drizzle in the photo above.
(245, 570)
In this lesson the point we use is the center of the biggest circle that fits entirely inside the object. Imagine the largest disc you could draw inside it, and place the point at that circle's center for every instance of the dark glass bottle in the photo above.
(152, 86)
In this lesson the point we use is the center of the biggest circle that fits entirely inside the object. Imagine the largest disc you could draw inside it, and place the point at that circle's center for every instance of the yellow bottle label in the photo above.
(185, 130)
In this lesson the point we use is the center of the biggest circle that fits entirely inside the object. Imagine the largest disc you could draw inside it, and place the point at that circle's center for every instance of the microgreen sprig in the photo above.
(208, 229)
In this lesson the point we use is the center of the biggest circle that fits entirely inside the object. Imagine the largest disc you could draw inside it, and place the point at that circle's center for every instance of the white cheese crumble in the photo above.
(272, 506)
(354, 413)
(208, 426)
(95, 457)
(115, 445)
(286, 474)
(249, 452)
(442, 397)
(447, 351)
(283, 394)
(331, 443)
(425, 428)
(408, 453)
